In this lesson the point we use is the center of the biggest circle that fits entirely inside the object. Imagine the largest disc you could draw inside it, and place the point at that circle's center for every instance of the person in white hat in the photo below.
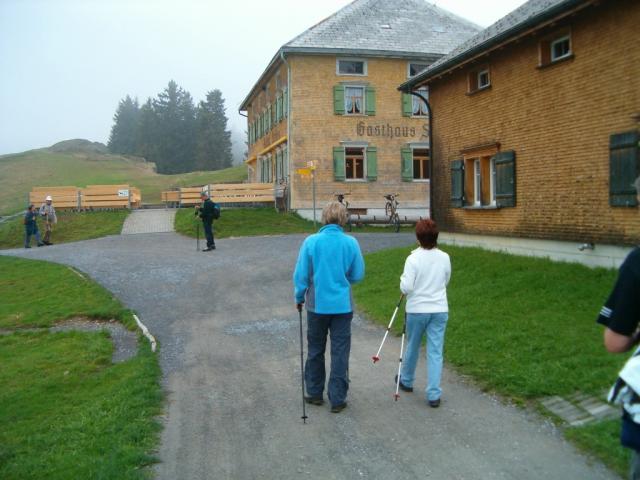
(49, 214)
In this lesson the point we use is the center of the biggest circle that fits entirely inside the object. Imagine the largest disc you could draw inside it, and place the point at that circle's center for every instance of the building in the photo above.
(329, 99)
(536, 127)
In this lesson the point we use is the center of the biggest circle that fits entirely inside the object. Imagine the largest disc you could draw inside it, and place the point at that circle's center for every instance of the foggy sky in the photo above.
(65, 64)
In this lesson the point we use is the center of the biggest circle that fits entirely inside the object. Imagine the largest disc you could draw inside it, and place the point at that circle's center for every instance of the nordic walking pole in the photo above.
(304, 409)
(376, 357)
(396, 395)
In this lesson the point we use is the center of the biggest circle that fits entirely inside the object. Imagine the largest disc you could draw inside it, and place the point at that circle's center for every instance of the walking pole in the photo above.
(304, 409)
(396, 396)
(197, 236)
(376, 357)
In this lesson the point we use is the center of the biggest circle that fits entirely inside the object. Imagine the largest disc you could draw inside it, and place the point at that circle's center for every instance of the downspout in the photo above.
(289, 143)
(431, 156)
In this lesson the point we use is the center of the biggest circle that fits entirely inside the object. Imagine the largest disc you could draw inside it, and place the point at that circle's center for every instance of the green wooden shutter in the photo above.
(407, 165)
(285, 103)
(338, 99)
(505, 179)
(370, 102)
(250, 134)
(457, 183)
(407, 104)
(274, 112)
(623, 168)
(279, 108)
(372, 164)
(338, 164)
(268, 118)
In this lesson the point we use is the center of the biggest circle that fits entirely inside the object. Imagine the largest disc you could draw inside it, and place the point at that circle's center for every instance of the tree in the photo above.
(213, 144)
(147, 136)
(122, 139)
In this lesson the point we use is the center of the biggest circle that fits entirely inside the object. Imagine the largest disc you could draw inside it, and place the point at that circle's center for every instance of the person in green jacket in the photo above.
(206, 211)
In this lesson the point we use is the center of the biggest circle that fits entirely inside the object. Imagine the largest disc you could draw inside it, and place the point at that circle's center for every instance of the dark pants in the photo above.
(318, 326)
(28, 233)
(208, 233)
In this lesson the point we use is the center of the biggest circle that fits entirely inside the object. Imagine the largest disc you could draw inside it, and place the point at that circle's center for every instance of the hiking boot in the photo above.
(403, 387)
(208, 249)
(41, 244)
(314, 400)
(434, 403)
(338, 408)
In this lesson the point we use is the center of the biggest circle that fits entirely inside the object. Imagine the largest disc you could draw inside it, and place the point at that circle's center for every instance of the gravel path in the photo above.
(230, 357)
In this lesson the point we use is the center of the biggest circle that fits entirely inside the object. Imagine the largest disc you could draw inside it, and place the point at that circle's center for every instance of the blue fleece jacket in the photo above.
(328, 263)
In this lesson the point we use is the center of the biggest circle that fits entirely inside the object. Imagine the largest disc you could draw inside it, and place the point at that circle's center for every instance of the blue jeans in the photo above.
(434, 325)
(318, 326)
(208, 233)
(28, 234)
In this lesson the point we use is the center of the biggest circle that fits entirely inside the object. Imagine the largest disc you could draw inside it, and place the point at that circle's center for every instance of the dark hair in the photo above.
(427, 233)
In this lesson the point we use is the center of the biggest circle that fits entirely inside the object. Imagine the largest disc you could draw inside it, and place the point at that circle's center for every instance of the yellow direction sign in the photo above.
(305, 172)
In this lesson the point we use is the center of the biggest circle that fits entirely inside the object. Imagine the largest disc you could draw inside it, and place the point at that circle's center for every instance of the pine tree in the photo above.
(147, 136)
(213, 145)
(122, 139)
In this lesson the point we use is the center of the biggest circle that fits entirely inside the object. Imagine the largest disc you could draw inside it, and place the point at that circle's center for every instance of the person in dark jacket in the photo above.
(31, 227)
(206, 213)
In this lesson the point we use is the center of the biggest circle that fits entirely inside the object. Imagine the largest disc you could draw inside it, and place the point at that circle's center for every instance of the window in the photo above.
(555, 48)
(354, 100)
(354, 163)
(624, 166)
(416, 68)
(419, 106)
(484, 180)
(479, 79)
(560, 48)
(351, 67)
(415, 163)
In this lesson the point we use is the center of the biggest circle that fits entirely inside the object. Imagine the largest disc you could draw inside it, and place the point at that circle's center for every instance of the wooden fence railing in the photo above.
(224, 193)
(90, 197)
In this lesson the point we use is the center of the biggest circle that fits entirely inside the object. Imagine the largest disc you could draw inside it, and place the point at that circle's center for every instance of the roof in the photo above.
(529, 15)
(413, 29)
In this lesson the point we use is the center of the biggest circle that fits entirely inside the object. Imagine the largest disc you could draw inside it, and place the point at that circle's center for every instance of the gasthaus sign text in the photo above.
(389, 131)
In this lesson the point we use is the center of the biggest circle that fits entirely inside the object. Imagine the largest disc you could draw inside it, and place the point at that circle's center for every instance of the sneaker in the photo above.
(47, 243)
(403, 387)
(338, 408)
(208, 249)
(434, 403)
(314, 400)
(41, 244)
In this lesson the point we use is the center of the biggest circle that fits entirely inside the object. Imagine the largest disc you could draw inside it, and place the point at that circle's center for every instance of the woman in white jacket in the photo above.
(424, 282)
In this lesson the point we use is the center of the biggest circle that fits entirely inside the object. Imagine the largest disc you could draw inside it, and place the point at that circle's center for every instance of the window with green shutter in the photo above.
(505, 178)
(338, 164)
(623, 168)
(285, 103)
(370, 102)
(407, 104)
(338, 100)
(372, 164)
(279, 108)
(407, 164)
(457, 183)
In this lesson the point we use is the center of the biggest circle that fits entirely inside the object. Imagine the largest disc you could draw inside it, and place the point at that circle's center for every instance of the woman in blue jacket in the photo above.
(328, 264)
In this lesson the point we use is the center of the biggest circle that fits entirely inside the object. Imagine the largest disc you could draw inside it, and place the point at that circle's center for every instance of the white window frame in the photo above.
(363, 146)
(419, 146)
(363, 109)
(480, 73)
(426, 65)
(477, 183)
(364, 67)
(553, 43)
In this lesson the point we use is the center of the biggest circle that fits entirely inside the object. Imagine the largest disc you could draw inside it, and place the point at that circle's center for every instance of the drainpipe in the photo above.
(289, 143)
(421, 97)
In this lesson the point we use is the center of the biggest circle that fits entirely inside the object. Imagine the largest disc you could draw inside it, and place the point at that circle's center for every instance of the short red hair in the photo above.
(427, 233)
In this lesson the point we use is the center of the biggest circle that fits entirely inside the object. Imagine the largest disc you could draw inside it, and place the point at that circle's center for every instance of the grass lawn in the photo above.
(244, 222)
(71, 227)
(20, 172)
(65, 410)
(522, 327)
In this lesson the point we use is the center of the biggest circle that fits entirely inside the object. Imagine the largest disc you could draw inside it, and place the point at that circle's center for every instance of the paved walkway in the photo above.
(230, 359)
(149, 221)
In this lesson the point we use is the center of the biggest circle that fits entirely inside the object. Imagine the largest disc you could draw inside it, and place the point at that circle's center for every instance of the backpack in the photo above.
(216, 211)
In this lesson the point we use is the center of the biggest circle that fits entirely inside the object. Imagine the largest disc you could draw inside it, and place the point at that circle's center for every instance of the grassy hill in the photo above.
(20, 172)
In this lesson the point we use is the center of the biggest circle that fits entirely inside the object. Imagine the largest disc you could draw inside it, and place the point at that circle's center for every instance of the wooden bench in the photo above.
(64, 198)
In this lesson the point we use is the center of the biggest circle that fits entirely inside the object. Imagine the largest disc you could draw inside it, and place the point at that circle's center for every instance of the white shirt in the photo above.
(424, 281)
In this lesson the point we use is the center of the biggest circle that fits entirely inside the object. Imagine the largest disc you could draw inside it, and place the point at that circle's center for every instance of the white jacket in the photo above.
(424, 281)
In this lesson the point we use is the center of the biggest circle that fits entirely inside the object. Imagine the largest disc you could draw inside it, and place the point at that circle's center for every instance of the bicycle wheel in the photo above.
(396, 222)
(387, 209)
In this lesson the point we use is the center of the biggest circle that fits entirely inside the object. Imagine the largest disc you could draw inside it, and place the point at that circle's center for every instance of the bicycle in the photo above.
(341, 199)
(390, 210)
